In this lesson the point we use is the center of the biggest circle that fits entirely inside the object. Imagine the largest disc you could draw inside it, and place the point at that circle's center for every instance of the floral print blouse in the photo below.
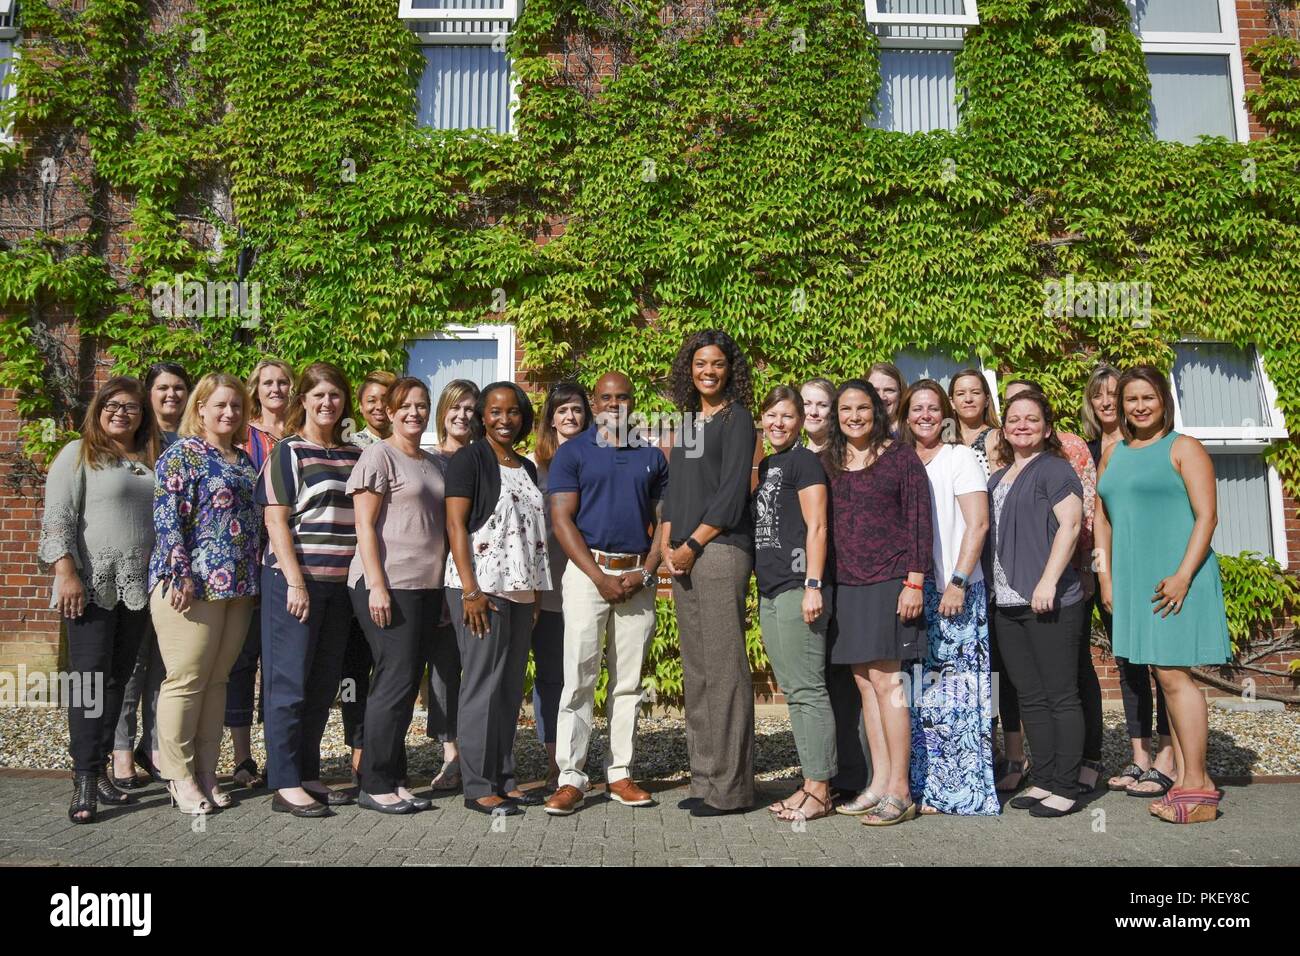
(509, 551)
(207, 524)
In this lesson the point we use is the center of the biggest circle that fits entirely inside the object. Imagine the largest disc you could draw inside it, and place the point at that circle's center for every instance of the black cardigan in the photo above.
(475, 473)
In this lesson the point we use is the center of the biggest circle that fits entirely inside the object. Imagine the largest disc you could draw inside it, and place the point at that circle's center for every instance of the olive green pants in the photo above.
(798, 655)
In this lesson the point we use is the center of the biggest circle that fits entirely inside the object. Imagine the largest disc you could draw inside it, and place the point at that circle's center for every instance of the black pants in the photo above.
(444, 684)
(1135, 687)
(1041, 653)
(102, 650)
(357, 664)
(854, 771)
(398, 652)
(1008, 699)
(243, 676)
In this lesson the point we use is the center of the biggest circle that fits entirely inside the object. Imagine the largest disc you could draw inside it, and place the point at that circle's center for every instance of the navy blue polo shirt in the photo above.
(616, 488)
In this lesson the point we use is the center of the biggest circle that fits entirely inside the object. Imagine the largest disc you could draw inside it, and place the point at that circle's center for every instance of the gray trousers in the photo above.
(141, 688)
(718, 684)
(443, 684)
(493, 668)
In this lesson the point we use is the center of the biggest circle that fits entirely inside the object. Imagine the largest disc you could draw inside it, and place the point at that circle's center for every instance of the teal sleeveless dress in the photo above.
(1151, 520)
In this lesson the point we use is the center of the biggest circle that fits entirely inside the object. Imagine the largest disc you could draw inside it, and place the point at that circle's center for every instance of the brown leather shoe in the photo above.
(626, 792)
(564, 801)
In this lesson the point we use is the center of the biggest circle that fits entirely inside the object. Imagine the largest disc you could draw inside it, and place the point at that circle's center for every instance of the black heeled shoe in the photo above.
(109, 794)
(83, 798)
(143, 761)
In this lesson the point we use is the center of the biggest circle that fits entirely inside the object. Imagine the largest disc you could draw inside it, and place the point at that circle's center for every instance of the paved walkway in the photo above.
(1258, 828)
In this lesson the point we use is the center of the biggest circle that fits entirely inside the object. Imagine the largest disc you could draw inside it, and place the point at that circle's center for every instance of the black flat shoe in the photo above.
(143, 761)
(708, 810)
(527, 798)
(332, 798)
(83, 798)
(420, 803)
(368, 802)
(1040, 809)
(690, 803)
(280, 805)
(507, 808)
(1023, 803)
(108, 793)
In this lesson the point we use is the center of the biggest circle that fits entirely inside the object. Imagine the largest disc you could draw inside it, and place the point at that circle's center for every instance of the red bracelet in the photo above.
(914, 587)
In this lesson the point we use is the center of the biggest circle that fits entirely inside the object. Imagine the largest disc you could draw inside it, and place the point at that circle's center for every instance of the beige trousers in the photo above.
(198, 648)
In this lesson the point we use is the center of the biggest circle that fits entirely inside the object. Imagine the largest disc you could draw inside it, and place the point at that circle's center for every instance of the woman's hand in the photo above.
(1043, 598)
(381, 606)
(298, 602)
(681, 560)
(1170, 594)
(812, 605)
(952, 600)
(69, 595)
(910, 603)
(182, 595)
(1105, 593)
(476, 615)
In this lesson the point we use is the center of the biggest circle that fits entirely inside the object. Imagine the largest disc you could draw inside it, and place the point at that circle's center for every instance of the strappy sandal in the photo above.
(448, 777)
(1014, 766)
(890, 811)
(109, 794)
(1189, 806)
(1096, 767)
(1151, 776)
(248, 776)
(83, 798)
(1132, 770)
(863, 803)
(826, 808)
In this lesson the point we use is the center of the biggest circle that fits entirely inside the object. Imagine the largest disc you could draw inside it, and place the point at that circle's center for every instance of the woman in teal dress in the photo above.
(1158, 575)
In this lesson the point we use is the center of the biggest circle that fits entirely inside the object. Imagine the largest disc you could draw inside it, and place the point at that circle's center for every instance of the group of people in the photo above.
(911, 552)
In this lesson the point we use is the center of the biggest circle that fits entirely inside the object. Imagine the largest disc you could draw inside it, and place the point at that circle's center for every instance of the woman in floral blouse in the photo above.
(202, 579)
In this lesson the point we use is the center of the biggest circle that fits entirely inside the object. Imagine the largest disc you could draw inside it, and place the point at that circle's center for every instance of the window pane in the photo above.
(438, 361)
(1178, 16)
(6, 51)
(953, 8)
(1191, 96)
(918, 91)
(458, 4)
(1245, 522)
(1218, 386)
(941, 368)
(465, 87)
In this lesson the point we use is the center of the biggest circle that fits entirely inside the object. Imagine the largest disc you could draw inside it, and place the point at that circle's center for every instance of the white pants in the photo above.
(588, 621)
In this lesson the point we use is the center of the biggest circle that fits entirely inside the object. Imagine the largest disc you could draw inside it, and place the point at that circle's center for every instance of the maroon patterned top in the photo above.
(881, 519)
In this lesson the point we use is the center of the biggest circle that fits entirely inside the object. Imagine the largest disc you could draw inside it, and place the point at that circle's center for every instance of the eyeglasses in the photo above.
(130, 408)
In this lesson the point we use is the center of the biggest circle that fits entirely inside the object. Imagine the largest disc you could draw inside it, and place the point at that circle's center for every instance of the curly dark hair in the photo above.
(837, 443)
(737, 390)
(479, 428)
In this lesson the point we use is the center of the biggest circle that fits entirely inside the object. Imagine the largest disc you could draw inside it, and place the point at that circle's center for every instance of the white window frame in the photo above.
(504, 336)
(6, 7)
(1227, 42)
(9, 32)
(970, 18)
(1239, 440)
(407, 11)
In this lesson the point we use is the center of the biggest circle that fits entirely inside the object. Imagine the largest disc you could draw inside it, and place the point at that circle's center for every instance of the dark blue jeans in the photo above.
(548, 672)
(243, 676)
(301, 665)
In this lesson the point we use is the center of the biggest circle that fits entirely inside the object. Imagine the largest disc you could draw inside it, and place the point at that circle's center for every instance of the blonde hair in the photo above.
(1091, 425)
(191, 424)
(455, 392)
(254, 381)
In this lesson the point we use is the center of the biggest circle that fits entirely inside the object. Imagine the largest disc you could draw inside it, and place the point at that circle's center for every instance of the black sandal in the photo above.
(1151, 776)
(83, 798)
(1132, 770)
(108, 793)
(252, 779)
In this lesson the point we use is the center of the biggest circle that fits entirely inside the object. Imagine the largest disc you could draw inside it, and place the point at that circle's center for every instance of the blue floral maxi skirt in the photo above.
(952, 709)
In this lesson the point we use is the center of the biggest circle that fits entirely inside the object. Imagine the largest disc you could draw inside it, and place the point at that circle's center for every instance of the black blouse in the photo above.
(708, 483)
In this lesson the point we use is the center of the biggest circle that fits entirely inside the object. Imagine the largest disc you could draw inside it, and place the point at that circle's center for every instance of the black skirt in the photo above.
(868, 627)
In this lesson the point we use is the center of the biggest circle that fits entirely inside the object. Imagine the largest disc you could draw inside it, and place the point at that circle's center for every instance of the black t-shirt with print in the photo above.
(780, 545)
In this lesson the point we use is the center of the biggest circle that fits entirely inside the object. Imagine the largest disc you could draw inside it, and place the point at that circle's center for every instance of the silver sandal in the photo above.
(863, 803)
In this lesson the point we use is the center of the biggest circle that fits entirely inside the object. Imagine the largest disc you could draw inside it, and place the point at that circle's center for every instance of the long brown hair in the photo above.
(313, 375)
(1091, 424)
(548, 439)
(836, 445)
(945, 409)
(1157, 380)
(96, 446)
(990, 416)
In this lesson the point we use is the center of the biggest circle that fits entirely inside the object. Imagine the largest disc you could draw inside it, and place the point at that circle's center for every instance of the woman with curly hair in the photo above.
(708, 548)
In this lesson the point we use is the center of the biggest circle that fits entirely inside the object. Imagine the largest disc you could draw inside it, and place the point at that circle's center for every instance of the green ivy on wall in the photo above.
(725, 176)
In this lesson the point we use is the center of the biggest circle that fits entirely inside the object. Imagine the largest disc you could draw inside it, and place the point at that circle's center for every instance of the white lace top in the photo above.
(103, 518)
(509, 551)
(1004, 594)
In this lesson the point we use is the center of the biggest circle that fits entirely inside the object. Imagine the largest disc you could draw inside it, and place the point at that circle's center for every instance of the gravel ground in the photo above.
(1240, 744)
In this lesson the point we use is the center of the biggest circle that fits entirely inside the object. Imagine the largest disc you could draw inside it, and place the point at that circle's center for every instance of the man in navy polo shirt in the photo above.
(604, 491)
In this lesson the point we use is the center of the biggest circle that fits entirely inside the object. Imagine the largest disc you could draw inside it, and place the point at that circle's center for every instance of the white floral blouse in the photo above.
(509, 551)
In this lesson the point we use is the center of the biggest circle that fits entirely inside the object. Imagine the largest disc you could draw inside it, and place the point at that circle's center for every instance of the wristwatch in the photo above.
(958, 580)
(813, 584)
(696, 548)
(649, 579)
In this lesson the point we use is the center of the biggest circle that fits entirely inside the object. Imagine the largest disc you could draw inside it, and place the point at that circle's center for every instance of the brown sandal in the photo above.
(826, 808)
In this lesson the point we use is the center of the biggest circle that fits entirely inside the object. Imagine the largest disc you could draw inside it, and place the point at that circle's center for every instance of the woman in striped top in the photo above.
(306, 609)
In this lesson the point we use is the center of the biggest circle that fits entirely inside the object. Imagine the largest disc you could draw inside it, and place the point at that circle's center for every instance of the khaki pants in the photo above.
(590, 622)
(198, 649)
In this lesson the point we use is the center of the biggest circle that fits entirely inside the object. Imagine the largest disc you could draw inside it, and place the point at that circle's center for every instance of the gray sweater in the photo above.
(103, 519)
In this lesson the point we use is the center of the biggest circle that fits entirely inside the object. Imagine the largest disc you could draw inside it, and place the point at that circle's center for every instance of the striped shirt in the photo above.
(312, 482)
